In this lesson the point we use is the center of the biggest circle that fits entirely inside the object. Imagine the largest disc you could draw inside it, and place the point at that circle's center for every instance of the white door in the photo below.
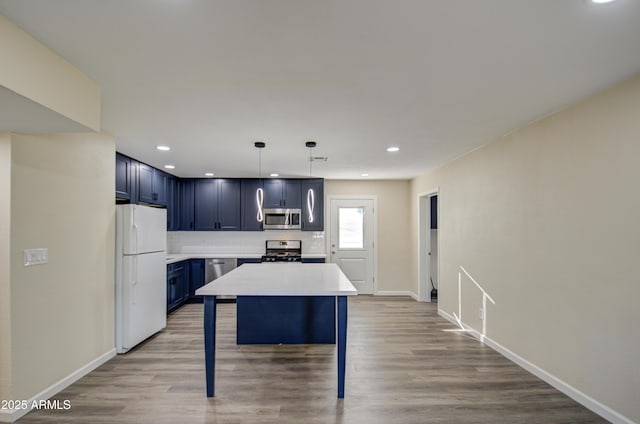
(351, 243)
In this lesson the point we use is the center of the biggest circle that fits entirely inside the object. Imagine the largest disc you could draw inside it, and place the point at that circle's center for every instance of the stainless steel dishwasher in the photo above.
(215, 268)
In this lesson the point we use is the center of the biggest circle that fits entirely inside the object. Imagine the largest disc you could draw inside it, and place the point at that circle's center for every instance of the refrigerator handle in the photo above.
(134, 281)
(135, 237)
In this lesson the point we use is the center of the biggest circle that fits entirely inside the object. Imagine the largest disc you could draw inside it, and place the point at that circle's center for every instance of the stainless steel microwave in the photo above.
(282, 219)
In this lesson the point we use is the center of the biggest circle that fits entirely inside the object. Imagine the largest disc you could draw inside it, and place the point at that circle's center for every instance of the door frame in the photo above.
(424, 242)
(371, 197)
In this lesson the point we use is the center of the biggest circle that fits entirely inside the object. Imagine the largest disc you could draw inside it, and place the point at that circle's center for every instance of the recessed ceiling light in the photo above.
(163, 148)
(393, 149)
(602, 1)
(208, 174)
(170, 166)
(364, 175)
(273, 174)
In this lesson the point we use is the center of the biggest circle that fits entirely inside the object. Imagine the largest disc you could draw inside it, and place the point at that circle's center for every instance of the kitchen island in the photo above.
(271, 284)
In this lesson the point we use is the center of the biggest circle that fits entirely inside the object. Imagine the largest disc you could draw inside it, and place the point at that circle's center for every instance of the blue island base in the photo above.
(286, 320)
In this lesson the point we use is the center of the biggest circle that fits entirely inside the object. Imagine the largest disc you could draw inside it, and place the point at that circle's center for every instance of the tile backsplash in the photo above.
(241, 242)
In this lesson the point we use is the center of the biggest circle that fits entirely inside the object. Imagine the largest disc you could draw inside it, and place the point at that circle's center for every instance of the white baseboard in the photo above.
(11, 415)
(395, 293)
(575, 394)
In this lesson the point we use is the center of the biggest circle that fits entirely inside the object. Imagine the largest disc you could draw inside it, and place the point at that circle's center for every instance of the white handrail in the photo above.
(477, 285)
(485, 296)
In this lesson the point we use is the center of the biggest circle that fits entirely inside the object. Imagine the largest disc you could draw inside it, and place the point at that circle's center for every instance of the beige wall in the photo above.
(62, 313)
(42, 76)
(393, 228)
(546, 220)
(5, 290)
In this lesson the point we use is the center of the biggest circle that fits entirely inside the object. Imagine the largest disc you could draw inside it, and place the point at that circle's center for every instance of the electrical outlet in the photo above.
(481, 314)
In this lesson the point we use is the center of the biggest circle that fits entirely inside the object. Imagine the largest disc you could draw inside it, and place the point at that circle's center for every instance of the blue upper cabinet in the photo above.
(145, 184)
(217, 205)
(160, 180)
(273, 193)
(173, 203)
(291, 194)
(312, 191)
(206, 205)
(249, 203)
(124, 178)
(229, 205)
(282, 193)
(152, 185)
(187, 218)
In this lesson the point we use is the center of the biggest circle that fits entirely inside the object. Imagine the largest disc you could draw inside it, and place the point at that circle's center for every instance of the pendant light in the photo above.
(311, 197)
(259, 192)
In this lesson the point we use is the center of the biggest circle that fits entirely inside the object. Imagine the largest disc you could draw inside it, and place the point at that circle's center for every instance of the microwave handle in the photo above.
(287, 217)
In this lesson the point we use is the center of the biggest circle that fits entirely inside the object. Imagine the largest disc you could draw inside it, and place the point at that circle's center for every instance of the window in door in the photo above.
(351, 227)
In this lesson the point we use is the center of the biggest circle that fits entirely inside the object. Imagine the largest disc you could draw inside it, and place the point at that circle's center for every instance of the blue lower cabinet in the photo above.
(248, 261)
(196, 279)
(177, 284)
(286, 319)
(313, 260)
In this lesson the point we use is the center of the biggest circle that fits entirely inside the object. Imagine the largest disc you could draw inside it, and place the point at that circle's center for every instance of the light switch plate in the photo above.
(36, 256)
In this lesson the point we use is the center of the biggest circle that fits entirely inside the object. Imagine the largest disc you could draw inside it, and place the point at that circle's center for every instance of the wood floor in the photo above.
(401, 368)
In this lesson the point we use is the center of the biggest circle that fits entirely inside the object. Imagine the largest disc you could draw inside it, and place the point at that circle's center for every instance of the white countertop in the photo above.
(177, 257)
(281, 279)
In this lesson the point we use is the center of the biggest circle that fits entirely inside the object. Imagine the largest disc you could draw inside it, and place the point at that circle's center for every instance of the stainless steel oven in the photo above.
(282, 219)
(283, 251)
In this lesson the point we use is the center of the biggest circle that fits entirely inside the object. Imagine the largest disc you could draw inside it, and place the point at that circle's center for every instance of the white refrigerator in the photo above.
(141, 274)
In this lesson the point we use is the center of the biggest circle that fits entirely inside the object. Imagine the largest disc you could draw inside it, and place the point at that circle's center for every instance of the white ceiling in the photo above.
(437, 78)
